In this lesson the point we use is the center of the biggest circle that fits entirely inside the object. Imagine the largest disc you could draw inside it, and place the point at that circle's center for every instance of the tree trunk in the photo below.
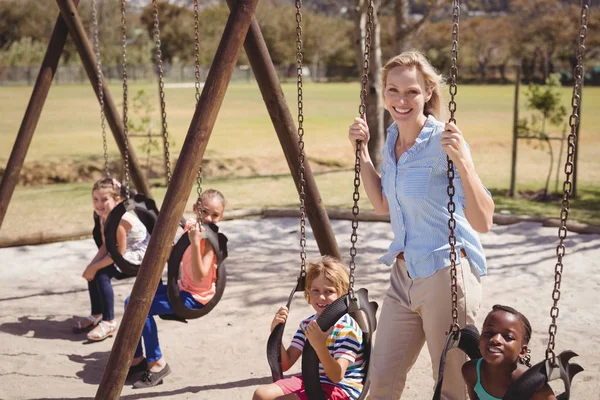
(374, 97)
(374, 102)
(403, 28)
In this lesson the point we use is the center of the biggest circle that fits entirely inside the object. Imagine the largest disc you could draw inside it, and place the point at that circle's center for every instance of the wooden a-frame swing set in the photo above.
(241, 28)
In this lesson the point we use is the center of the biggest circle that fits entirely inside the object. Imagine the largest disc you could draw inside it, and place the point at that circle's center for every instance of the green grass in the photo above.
(69, 129)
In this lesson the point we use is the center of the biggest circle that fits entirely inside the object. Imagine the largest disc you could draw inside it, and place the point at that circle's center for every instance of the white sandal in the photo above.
(80, 327)
(103, 330)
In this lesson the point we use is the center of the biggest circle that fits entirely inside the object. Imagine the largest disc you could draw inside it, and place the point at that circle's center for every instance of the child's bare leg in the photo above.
(158, 365)
(268, 392)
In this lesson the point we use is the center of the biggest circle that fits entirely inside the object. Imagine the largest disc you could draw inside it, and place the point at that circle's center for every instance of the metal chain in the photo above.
(197, 51)
(99, 81)
(454, 328)
(578, 73)
(197, 86)
(301, 156)
(161, 89)
(125, 93)
(362, 110)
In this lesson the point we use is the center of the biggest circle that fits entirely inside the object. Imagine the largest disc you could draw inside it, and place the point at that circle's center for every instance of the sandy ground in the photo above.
(222, 356)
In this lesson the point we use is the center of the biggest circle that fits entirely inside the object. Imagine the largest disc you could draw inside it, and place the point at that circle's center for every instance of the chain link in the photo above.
(578, 74)
(161, 90)
(99, 82)
(301, 156)
(197, 86)
(454, 328)
(362, 110)
(125, 100)
(197, 51)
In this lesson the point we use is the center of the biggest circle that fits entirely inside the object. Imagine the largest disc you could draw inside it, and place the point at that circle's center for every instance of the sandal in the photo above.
(102, 331)
(86, 324)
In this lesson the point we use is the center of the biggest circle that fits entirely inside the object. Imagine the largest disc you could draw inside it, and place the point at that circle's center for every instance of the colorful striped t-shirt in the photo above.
(345, 341)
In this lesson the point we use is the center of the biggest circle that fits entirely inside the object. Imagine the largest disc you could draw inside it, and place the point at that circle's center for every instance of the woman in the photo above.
(413, 190)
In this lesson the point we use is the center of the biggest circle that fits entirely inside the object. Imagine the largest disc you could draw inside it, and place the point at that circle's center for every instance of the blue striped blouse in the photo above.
(416, 191)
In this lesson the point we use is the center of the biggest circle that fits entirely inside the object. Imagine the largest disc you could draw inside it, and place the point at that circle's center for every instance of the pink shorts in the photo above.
(295, 385)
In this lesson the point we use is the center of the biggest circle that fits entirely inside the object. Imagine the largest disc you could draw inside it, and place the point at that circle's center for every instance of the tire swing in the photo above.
(555, 367)
(467, 339)
(143, 207)
(355, 303)
(217, 240)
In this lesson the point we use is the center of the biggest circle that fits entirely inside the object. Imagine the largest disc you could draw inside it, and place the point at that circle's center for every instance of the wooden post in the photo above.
(176, 197)
(32, 113)
(88, 59)
(282, 120)
(513, 167)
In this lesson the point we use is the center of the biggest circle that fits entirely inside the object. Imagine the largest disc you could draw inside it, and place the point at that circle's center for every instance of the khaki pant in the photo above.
(415, 312)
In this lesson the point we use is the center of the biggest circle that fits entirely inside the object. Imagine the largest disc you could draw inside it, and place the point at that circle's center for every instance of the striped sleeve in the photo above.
(348, 342)
(299, 338)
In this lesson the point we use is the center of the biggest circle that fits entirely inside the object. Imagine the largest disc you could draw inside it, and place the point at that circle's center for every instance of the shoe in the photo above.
(135, 369)
(150, 378)
(103, 330)
(86, 324)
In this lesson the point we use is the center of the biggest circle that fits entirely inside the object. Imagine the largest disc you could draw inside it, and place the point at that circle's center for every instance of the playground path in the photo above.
(222, 355)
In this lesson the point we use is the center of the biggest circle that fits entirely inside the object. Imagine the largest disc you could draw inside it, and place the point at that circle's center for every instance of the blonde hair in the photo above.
(212, 194)
(434, 81)
(111, 184)
(332, 269)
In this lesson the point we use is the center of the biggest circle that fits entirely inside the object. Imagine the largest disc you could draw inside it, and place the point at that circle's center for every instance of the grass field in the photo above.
(69, 130)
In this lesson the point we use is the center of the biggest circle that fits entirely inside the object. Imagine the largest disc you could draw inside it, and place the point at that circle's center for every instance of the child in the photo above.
(340, 349)
(132, 239)
(196, 288)
(503, 346)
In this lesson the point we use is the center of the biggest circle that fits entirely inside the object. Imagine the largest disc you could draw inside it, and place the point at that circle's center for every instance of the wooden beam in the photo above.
(32, 113)
(176, 197)
(270, 88)
(88, 58)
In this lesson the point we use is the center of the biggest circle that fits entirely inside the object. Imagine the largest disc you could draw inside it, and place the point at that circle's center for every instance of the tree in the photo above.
(488, 42)
(405, 29)
(176, 30)
(545, 101)
(23, 53)
(374, 99)
(538, 27)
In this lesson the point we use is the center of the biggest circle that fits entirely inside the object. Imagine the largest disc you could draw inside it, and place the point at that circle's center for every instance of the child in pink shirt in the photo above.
(196, 288)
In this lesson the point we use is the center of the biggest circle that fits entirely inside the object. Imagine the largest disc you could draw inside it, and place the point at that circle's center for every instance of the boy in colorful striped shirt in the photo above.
(340, 349)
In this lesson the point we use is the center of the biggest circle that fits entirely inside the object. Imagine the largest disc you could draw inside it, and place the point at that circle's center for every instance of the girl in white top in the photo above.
(132, 241)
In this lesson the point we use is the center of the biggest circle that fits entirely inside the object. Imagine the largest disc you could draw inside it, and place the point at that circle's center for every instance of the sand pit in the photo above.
(222, 356)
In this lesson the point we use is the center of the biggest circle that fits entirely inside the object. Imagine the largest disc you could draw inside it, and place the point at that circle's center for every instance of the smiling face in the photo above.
(405, 95)
(502, 338)
(104, 201)
(212, 209)
(321, 293)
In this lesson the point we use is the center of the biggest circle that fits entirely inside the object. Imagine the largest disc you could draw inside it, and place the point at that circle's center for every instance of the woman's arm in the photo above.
(359, 130)
(479, 208)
